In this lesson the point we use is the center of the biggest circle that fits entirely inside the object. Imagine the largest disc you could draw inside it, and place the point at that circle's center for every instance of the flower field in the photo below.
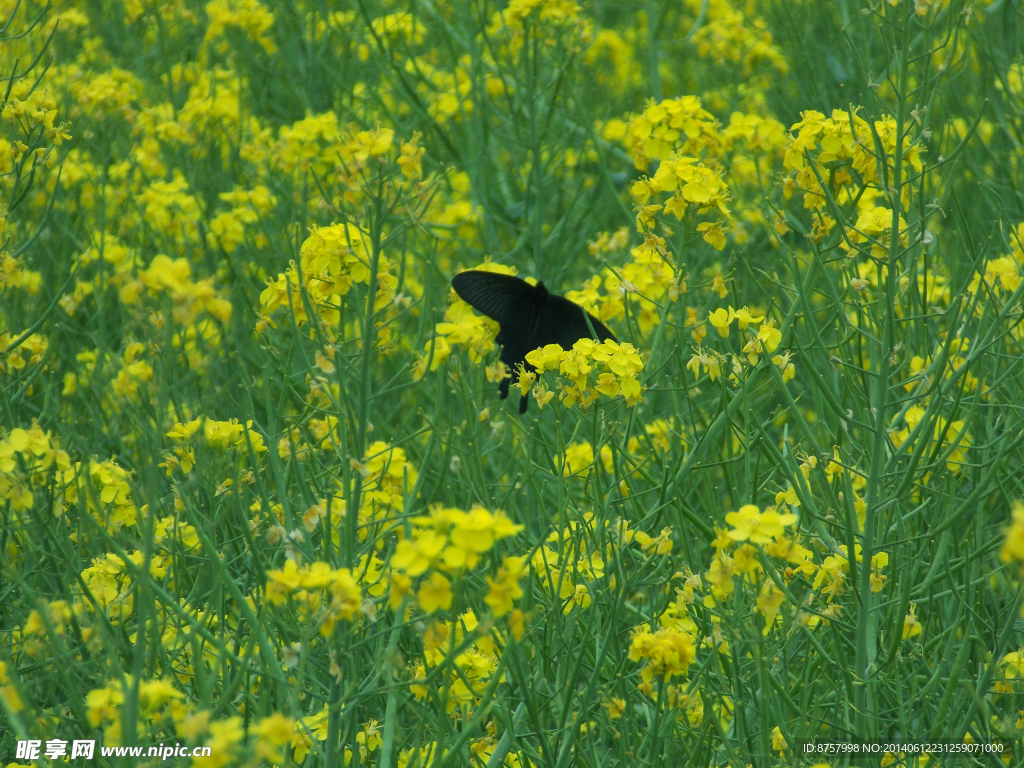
(258, 491)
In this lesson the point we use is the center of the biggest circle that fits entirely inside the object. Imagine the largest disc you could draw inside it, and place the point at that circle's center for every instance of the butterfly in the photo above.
(529, 317)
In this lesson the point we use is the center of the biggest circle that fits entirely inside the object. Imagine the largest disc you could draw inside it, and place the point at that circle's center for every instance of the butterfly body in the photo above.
(529, 316)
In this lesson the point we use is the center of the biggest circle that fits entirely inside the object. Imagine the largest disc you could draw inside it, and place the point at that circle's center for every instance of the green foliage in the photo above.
(258, 492)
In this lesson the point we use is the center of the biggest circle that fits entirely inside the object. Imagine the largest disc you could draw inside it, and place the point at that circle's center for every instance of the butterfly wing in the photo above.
(521, 318)
(512, 302)
(500, 297)
(562, 322)
(529, 317)
(556, 320)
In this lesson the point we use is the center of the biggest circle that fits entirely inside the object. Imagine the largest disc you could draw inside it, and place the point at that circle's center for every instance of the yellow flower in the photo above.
(709, 360)
(477, 530)
(274, 732)
(414, 557)
(517, 624)
(667, 652)
(104, 704)
(399, 586)
(721, 319)
(547, 358)
(412, 154)
(787, 368)
(769, 602)
(435, 593)
(621, 362)
(718, 285)
(788, 496)
(712, 232)
(621, 358)
(744, 317)
(834, 468)
(542, 395)
(875, 225)
(615, 708)
(807, 465)
(679, 125)
(370, 736)
(719, 576)
(1014, 663)
(525, 381)
(579, 458)
(749, 523)
(505, 588)
(911, 626)
(608, 385)
(778, 742)
(1013, 547)
(247, 15)
(182, 432)
(769, 335)
(450, 538)
(579, 595)
(661, 544)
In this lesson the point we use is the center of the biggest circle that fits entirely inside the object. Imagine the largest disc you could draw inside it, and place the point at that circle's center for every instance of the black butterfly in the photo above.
(529, 317)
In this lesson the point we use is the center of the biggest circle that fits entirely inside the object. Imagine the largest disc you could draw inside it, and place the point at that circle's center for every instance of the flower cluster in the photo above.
(694, 187)
(874, 227)
(104, 487)
(174, 277)
(33, 108)
(333, 259)
(250, 16)
(219, 435)
(447, 541)
(228, 229)
(566, 575)
(19, 350)
(650, 545)
(950, 438)
(463, 683)
(840, 151)
(1004, 273)
(831, 574)
(764, 533)
(542, 19)
(104, 705)
(26, 457)
(302, 583)
(667, 652)
(262, 222)
(451, 539)
(734, 36)
(749, 523)
(579, 459)
(678, 127)
(616, 365)
(644, 281)
(385, 473)
(505, 588)
(324, 434)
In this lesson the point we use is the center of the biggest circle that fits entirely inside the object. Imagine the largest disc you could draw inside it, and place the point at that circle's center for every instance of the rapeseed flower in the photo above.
(505, 588)
(1013, 545)
(668, 652)
(750, 523)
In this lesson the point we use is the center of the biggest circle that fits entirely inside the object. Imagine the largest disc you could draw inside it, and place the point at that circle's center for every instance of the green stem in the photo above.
(867, 613)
